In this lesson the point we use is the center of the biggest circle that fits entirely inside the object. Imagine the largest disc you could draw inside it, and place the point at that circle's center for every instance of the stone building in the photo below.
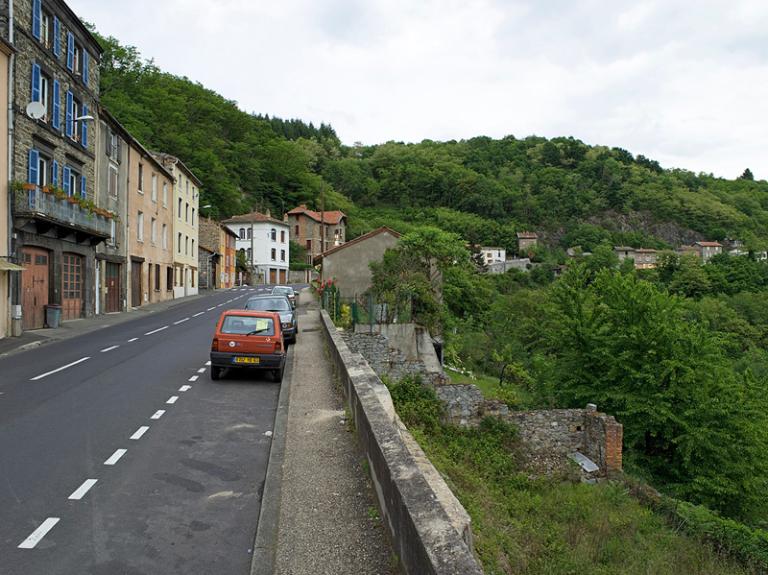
(220, 245)
(263, 240)
(317, 231)
(526, 241)
(186, 202)
(112, 175)
(56, 93)
(644, 258)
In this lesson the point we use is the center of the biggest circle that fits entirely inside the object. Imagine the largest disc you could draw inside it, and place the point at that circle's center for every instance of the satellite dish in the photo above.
(36, 110)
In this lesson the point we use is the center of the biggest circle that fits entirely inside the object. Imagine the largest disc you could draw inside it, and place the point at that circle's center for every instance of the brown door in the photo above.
(34, 287)
(136, 284)
(72, 284)
(272, 275)
(113, 288)
(282, 277)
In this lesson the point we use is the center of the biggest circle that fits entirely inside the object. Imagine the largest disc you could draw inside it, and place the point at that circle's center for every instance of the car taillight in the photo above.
(215, 344)
(278, 346)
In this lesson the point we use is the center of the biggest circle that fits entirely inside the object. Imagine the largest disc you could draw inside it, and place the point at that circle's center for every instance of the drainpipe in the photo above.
(14, 279)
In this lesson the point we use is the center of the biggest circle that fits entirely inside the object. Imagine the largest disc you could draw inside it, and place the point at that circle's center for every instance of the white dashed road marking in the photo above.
(156, 330)
(39, 533)
(132, 339)
(201, 370)
(197, 314)
(172, 399)
(181, 321)
(208, 362)
(139, 432)
(158, 414)
(185, 388)
(210, 308)
(193, 378)
(106, 349)
(115, 457)
(80, 492)
(62, 368)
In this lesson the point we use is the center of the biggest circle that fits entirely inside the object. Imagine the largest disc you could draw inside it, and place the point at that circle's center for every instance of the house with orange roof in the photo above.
(317, 231)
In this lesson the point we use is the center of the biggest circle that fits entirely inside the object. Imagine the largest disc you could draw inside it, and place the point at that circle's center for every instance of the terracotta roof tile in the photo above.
(332, 217)
(252, 217)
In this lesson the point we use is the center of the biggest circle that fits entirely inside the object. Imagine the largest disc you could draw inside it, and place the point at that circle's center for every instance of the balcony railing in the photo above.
(60, 211)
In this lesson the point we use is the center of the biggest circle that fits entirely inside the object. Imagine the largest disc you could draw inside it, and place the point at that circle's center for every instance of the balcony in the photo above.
(47, 214)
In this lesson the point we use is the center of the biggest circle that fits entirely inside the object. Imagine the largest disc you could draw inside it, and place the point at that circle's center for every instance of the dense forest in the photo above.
(678, 353)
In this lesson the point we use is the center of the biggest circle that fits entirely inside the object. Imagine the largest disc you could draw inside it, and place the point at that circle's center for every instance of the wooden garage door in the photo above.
(113, 287)
(272, 275)
(72, 285)
(282, 277)
(136, 284)
(34, 287)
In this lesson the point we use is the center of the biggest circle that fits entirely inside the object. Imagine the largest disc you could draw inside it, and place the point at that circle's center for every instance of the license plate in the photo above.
(246, 360)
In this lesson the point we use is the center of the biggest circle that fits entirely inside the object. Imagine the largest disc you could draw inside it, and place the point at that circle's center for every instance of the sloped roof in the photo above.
(709, 244)
(331, 218)
(251, 218)
(359, 239)
(527, 235)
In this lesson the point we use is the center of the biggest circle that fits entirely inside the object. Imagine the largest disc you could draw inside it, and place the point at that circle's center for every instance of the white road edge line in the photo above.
(132, 339)
(158, 414)
(115, 457)
(156, 330)
(80, 492)
(139, 432)
(62, 368)
(106, 349)
(197, 314)
(210, 308)
(172, 399)
(193, 378)
(181, 321)
(39, 533)
(201, 370)
(185, 388)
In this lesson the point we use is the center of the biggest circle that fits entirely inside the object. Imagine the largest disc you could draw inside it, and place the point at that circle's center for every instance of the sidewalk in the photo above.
(326, 514)
(37, 337)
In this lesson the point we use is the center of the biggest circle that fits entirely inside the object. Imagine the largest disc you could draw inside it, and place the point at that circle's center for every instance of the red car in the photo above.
(248, 340)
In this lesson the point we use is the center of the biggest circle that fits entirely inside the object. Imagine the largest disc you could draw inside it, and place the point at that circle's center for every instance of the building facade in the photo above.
(264, 242)
(112, 175)
(644, 258)
(220, 243)
(492, 255)
(186, 203)
(56, 229)
(317, 231)
(149, 225)
(526, 241)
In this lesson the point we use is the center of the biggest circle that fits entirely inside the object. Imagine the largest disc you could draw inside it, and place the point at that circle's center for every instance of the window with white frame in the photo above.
(153, 231)
(242, 233)
(140, 227)
(165, 236)
(154, 187)
(165, 193)
(274, 254)
(112, 184)
(273, 235)
(250, 233)
(141, 178)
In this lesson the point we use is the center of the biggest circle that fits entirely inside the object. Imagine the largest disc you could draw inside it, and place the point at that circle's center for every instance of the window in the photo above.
(37, 16)
(56, 37)
(242, 233)
(282, 255)
(113, 147)
(282, 236)
(296, 232)
(193, 216)
(70, 180)
(141, 178)
(274, 254)
(112, 184)
(154, 187)
(46, 32)
(273, 235)
(186, 245)
(38, 168)
(165, 193)
(249, 255)
(112, 230)
(193, 249)
(153, 231)
(186, 212)
(157, 277)
(178, 211)
(178, 242)
(140, 227)
(250, 233)
(169, 278)
(165, 237)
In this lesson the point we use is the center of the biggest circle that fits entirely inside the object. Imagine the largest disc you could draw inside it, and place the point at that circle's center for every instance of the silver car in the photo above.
(287, 291)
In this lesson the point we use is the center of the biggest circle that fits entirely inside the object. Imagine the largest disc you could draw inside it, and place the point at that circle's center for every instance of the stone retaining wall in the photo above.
(430, 530)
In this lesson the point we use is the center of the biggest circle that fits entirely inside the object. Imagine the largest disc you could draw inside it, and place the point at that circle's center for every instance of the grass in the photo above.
(547, 526)
(513, 395)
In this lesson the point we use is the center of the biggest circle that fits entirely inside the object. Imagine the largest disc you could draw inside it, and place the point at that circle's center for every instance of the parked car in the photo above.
(281, 305)
(287, 291)
(248, 340)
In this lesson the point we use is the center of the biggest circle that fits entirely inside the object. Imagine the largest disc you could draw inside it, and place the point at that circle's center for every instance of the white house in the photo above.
(493, 255)
(264, 242)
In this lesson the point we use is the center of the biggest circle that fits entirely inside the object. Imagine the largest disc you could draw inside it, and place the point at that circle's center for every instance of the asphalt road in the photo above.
(129, 460)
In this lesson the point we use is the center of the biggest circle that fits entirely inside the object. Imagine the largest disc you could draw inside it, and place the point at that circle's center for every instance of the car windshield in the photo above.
(268, 304)
(248, 325)
(283, 290)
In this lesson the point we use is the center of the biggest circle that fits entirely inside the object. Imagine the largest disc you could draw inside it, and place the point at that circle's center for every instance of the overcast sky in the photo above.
(684, 82)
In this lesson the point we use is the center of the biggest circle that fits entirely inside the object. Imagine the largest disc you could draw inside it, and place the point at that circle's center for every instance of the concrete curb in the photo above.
(265, 542)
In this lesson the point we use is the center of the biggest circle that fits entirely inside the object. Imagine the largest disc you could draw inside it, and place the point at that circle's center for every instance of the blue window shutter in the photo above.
(56, 36)
(35, 82)
(34, 166)
(65, 177)
(56, 119)
(37, 14)
(55, 173)
(68, 127)
(84, 128)
(86, 58)
(70, 51)
(83, 192)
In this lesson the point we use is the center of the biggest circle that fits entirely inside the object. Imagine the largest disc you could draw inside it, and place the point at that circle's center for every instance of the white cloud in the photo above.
(682, 83)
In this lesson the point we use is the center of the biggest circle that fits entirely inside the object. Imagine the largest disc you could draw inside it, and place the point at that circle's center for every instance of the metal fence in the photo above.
(365, 309)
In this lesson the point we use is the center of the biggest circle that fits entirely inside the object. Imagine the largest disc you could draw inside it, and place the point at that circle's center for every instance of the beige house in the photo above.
(704, 250)
(526, 240)
(149, 225)
(644, 258)
(185, 202)
(318, 232)
(347, 264)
